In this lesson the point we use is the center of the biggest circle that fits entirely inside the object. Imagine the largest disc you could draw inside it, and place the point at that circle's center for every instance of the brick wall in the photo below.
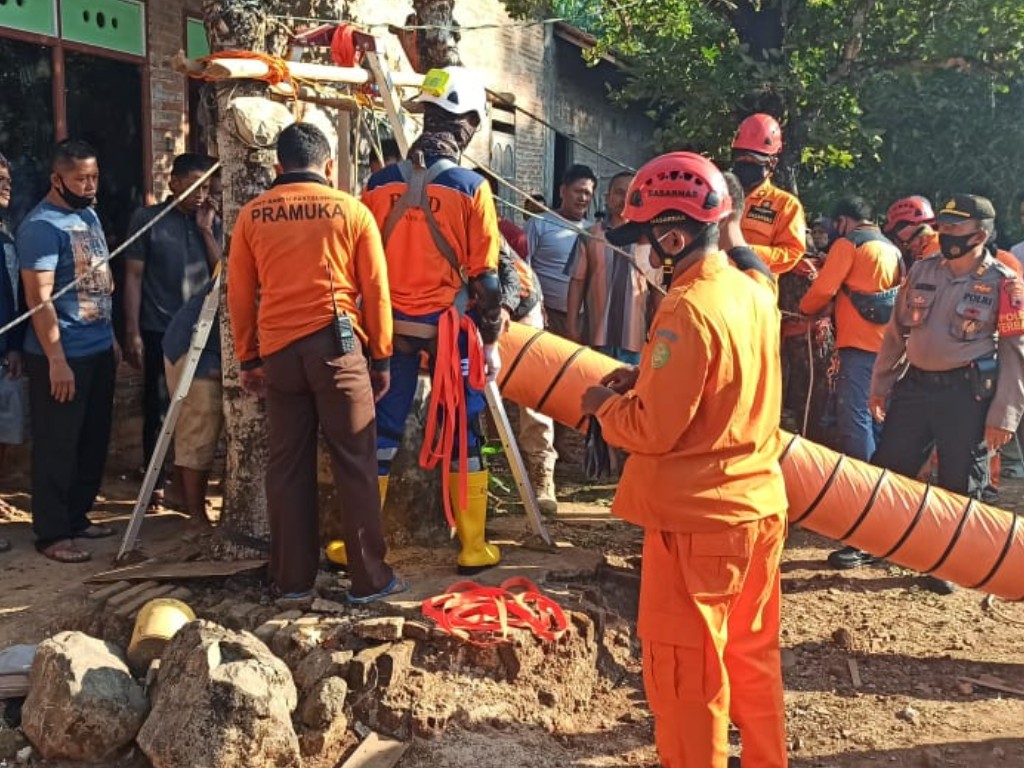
(168, 89)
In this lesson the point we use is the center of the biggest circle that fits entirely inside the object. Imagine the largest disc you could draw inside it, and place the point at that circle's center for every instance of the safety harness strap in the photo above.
(416, 178)
(448, 410)
(483, 615)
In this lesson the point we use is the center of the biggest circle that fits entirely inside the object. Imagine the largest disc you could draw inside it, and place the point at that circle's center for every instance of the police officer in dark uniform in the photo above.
(959, 319)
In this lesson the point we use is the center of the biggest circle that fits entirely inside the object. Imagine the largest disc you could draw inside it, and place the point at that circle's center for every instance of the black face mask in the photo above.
(749, 174)
(955, 246)
(78, 202)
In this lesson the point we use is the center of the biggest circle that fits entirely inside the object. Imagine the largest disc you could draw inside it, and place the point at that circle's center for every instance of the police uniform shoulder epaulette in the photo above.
(1003, 270)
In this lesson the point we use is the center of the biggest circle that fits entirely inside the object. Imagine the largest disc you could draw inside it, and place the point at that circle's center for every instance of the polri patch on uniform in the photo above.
(1011, 308)
(762, 212)
(661, 354)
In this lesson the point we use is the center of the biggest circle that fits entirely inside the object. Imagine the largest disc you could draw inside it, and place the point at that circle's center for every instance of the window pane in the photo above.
(26, 120)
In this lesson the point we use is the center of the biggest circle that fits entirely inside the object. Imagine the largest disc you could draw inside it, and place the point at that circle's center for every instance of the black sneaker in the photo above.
(850, 557)
(938, 586)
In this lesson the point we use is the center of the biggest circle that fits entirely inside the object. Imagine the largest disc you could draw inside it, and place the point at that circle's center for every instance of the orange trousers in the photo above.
(709, 622)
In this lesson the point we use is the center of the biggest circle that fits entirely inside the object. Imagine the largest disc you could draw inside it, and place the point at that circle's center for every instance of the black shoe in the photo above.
(734, 762)
(938, 586)
(850, 557)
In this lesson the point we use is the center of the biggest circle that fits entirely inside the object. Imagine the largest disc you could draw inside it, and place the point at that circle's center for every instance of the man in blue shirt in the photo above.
(70, 353)
(551, 239)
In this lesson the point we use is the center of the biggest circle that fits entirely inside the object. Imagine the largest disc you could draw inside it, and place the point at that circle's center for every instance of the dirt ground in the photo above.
(910, 648)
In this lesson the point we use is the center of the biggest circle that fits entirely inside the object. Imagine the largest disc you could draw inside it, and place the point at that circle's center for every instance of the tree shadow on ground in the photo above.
(961, 754)
(825, 667)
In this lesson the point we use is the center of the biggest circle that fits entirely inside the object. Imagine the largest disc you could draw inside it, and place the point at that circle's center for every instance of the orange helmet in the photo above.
(679, 183)
(759, 133)
(909, 210)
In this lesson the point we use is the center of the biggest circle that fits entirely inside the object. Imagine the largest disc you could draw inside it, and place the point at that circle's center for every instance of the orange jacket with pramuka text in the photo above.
(288, 245)
(774, 226)
(422, 281)
(873, 266)
(702, 423)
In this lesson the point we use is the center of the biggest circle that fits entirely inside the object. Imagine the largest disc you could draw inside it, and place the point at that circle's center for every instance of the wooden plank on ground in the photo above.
(854, 672)
(123, 597)
(160, 590)
(993, 684)
(109, 591)
(377, 751)
(205, 569)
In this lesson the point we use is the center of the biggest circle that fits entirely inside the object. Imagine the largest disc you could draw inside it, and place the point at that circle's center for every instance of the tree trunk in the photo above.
(437, 46)
(249, 25)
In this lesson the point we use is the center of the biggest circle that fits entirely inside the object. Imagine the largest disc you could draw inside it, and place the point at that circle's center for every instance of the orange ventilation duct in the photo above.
(906, 522)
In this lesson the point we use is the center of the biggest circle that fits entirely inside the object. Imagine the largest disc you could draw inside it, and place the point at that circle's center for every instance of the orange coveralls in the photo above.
(703, 480)
(775, 227)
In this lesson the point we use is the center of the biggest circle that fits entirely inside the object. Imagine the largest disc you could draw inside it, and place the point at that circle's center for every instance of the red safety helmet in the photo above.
(915, 210)
(678, 183)
(759, 133)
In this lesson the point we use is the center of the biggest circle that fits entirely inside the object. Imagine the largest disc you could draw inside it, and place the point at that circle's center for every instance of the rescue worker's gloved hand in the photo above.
(492, 362)
(485, 290)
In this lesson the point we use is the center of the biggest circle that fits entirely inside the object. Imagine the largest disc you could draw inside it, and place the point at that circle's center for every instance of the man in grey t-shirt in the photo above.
(167, 266)
(552, 238)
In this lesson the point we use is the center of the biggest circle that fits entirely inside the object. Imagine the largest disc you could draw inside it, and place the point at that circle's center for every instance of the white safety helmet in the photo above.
(456, 90)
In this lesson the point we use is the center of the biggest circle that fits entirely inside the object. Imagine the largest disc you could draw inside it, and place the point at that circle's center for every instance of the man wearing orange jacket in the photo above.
(862, 273)
(441, 239)
(307, 293)
(700, 418)
(773, 220)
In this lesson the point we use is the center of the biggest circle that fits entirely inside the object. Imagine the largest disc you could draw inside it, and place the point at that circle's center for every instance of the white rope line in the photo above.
(74, 283)
(565, 224)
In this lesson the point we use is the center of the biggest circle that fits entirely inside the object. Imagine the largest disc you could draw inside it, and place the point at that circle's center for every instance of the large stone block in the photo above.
(224, 701)
(84, 704)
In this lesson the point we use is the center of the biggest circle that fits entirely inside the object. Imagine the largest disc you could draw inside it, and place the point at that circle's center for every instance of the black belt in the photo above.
(939, 378)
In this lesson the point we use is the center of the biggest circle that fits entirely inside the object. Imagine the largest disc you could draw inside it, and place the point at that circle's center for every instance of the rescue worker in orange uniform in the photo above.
(307, 294)
(773, 220)
(910, 224)
(862, 273)
(700, 418)
(441, 240)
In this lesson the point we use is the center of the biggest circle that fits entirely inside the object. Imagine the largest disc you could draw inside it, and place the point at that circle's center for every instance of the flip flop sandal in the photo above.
(65, 552)
(395, 586)
(96, 532)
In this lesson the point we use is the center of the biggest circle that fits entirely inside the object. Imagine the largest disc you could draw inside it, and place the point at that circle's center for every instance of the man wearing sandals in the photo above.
(70, 353)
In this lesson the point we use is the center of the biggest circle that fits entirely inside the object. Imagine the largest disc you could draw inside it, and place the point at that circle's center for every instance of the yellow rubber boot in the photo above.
(476, 554)
(335, 550)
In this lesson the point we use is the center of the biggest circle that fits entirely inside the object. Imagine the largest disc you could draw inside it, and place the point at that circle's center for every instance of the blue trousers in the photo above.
(393, 409)
(858, 432)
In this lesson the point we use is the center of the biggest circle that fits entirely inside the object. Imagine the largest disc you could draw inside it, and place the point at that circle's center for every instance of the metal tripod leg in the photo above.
(515, 461)
(199, 338)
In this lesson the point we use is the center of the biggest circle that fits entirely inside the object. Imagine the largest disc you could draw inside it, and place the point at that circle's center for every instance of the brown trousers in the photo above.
(302, 396)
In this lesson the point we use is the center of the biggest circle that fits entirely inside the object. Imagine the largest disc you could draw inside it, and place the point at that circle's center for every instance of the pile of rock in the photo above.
(293, 692)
